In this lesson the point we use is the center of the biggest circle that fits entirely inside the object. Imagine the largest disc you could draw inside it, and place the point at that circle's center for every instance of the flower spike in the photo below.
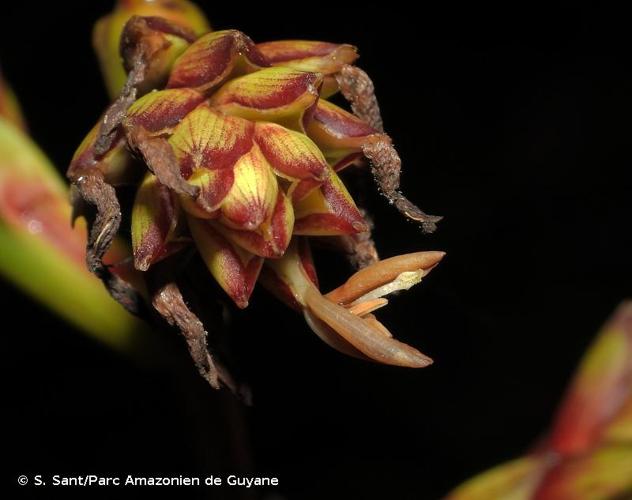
(240, 153)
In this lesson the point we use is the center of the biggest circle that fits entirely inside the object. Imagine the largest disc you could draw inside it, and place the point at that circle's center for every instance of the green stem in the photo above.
(32, 260)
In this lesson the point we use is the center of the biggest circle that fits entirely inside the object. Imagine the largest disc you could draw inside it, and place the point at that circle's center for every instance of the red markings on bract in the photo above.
(214, 187)
(272, 238)
(114, 164)
(270, 94)
(253, 195)
(289, 50)
(210, 140)
(214, 58)
(339, 125)
(161, 110)
(328, 210)
(154, 218)
(234, 269)
(339, 134)
(320, 57)
(292, 154)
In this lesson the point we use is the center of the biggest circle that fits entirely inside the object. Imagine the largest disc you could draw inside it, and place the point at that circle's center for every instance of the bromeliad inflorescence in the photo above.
(236, 150)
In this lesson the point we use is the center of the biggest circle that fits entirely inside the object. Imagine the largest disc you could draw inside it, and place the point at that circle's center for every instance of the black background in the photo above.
(513, 124)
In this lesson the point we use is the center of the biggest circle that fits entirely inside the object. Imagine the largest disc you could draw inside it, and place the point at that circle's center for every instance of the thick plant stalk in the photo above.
(42, 254)
(588, 454)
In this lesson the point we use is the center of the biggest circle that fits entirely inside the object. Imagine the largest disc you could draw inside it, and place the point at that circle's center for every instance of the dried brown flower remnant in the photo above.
(343, 318)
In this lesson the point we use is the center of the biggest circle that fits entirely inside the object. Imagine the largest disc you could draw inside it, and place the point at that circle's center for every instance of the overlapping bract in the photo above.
(249, 133)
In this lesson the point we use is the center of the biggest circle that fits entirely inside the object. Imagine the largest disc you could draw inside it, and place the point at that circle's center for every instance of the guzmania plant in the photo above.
(233, 150)
(587, 454)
